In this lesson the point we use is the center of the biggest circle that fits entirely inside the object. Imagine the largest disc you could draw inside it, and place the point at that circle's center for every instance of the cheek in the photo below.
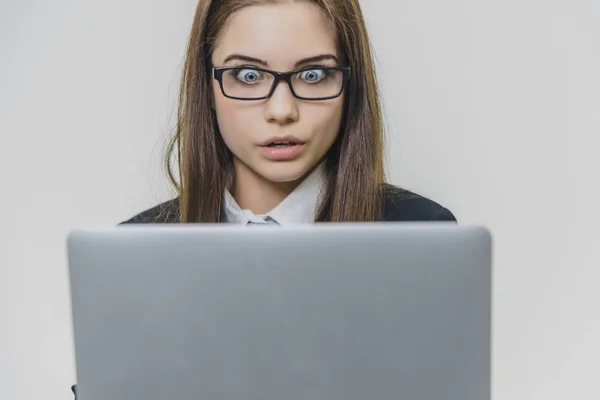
(327, 121)
(232, 118)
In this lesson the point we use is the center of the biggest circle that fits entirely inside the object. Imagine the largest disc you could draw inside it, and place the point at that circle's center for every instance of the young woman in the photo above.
(279, 120)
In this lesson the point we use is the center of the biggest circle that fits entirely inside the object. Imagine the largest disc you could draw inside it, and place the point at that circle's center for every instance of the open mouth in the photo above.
(282, 141)
(282, 144)
(282, 148)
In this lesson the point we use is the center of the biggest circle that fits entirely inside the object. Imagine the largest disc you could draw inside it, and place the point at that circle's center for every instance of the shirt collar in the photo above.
(297, 208)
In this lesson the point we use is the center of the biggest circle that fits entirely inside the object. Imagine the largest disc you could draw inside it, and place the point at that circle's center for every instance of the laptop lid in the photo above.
(313, 312)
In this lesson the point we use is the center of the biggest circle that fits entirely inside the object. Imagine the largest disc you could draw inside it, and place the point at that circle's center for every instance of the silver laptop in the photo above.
(314, 312)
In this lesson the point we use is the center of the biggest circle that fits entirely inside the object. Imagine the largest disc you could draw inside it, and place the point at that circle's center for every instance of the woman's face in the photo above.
(281, 36)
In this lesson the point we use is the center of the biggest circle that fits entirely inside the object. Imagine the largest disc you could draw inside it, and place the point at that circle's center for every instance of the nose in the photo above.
(282, 107)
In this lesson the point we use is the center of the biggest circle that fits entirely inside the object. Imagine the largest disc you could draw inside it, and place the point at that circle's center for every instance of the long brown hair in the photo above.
(354, 164)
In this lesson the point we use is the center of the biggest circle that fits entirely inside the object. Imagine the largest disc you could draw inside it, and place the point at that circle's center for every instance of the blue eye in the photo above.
(313, 75)
(248, 75)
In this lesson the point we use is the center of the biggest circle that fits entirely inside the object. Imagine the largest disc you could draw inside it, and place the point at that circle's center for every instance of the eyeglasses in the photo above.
(309, 83)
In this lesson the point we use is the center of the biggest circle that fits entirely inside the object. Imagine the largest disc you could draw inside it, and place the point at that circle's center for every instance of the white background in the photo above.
(492, 109)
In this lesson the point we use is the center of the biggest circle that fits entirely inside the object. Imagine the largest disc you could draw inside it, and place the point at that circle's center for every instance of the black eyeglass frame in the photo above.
(217, 73)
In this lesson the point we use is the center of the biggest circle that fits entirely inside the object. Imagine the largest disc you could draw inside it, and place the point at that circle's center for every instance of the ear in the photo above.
(211, 91)
(213, 108)
(211, 95)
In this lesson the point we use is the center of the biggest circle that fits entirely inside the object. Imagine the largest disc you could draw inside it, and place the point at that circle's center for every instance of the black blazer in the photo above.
(398, 205)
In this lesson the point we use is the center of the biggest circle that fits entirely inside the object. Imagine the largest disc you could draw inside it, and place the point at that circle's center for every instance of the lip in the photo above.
(288, 138)
(282, 153)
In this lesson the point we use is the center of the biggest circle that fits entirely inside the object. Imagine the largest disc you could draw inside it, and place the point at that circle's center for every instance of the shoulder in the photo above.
(403, 205)
(398, 205)
(164, 213)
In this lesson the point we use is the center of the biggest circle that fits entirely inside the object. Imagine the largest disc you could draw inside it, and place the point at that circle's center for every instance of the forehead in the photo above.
(279, 33)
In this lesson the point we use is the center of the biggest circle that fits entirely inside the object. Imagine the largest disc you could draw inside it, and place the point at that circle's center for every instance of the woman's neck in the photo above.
(257, 194)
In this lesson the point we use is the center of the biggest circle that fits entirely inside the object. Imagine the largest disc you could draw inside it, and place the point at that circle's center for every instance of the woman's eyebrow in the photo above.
(318, 58)
(245, 58)
(241, 57)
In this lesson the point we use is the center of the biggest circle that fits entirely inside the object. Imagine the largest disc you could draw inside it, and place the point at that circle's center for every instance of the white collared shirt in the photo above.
(297, 208)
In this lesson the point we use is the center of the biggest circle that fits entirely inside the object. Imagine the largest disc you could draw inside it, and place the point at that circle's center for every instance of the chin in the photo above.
(282, 172)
